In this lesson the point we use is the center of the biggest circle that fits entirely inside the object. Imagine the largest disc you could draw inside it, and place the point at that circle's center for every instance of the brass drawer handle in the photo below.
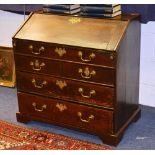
(91, 93)
(61, 84)
(60, 51)
(36, 66)
(86, 73)
(91, 56)
(41, 85)
(41, 49)
(39, 110)
(61, 107)
(84, 120)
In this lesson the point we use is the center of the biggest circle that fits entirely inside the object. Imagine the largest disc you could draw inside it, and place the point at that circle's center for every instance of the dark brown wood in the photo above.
(31, 105)
(34, 65)
(127, 78)
(99, 96)
(66, 113)
(76, 54)
(52, 67)
(102, 75)
(65, 89)
(22, 118)
(106, 136)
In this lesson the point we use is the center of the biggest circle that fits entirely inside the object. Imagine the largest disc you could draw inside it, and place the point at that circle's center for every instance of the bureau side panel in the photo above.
(127, 77)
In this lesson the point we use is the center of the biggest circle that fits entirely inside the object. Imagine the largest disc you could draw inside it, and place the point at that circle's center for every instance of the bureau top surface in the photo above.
(75, 31)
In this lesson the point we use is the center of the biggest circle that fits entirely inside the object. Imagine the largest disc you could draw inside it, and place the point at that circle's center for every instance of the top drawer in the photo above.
(67, 53)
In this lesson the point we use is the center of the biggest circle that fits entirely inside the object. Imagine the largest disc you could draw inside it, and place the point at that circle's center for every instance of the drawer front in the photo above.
(80, 116)
(32, 105)
(89, 73)
(66, 89)
(74, 115)
(77, 54)
(37, 65)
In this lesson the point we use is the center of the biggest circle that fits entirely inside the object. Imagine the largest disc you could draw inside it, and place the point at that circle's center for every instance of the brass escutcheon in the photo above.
(36, 66)
(61, 107)
(61, 84)
(75, 20)
(60, 51)
(86, 73)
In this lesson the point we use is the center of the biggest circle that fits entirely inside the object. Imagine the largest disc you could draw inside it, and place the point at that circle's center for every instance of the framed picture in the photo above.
(7, 67)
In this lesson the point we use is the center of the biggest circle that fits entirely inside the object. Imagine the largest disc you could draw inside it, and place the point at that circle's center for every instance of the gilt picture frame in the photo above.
(7, 67)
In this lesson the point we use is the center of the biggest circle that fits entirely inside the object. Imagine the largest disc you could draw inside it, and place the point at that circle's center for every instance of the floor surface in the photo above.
(139, 135)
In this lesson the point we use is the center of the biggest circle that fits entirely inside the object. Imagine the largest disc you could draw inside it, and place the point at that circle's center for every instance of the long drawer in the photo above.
(37, 65)
(66, 89)
(64, 52)
(77, 116)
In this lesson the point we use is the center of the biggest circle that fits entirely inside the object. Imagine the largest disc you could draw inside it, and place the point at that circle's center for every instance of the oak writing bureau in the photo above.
(80, 73)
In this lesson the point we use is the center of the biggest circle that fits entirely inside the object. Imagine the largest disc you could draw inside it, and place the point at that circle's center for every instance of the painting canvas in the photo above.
(7, 67)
